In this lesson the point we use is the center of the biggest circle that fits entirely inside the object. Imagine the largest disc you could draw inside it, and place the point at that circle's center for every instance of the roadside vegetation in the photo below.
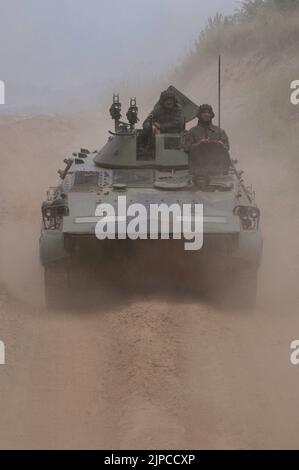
(264, 26)
(259, 45)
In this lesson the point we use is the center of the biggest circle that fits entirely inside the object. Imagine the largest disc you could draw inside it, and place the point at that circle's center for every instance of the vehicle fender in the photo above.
(250, 247)
(51, 246)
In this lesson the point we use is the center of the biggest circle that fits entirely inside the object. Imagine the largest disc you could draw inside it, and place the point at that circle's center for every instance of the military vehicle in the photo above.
(151, 169)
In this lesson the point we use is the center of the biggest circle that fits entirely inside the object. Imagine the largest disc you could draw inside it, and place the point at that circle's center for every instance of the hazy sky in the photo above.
(53, 45)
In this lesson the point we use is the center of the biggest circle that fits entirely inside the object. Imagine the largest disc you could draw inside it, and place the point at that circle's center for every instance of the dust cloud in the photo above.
(146, 370)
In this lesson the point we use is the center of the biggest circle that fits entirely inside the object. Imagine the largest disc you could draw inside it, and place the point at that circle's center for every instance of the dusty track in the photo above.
(154, 371)
(151, 373)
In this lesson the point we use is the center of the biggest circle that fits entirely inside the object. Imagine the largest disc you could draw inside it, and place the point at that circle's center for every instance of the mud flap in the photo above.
(250, 248)
(51, 245)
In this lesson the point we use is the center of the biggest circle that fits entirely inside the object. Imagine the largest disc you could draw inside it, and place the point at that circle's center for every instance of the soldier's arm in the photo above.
(152, 118)
(188, 141)
(224, 139)
(175, 124)
(149, 121)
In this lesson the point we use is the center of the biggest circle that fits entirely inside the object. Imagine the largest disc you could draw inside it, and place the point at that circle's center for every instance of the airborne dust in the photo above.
(145, 370)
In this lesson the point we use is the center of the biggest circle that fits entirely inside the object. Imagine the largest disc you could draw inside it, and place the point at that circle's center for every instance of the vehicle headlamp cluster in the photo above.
(249, 215)
(53, 214)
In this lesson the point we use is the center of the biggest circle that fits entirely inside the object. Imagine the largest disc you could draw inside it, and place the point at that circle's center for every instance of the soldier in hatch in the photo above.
(167, 116)
(205, 131)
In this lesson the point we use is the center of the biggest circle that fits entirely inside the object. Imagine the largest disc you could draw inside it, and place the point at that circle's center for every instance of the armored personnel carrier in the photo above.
(135, 168)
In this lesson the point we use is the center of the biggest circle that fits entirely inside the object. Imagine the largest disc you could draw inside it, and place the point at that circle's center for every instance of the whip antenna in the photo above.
(219, 91)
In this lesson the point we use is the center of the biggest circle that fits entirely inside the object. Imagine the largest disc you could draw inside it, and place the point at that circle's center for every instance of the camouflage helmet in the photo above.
(206, 107)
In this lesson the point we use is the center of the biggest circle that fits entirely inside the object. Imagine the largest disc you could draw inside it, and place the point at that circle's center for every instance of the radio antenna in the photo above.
(219, 91)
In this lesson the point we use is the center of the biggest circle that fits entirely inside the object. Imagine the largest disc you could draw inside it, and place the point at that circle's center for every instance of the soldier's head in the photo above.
(168, 100)
(201, 181)
(205, 114)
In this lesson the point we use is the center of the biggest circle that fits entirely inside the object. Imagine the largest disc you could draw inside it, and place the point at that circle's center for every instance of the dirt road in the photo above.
(139, 371)
(147, 373)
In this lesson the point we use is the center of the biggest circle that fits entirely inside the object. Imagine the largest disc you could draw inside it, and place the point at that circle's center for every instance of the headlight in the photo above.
(48, 214)
(254, 213)
(53, 214)
(250, 216)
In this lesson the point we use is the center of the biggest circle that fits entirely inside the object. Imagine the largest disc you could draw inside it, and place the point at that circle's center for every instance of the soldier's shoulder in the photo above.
(217, 128)
(194, 129)
(157, 108)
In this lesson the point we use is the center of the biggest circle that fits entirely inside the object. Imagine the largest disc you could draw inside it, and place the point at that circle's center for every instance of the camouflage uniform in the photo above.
(200, 132)
(171, 121)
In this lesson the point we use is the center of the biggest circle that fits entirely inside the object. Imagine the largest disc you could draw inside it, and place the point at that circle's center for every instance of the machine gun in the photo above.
(115, 111)
(123, 128)
(132, 114)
